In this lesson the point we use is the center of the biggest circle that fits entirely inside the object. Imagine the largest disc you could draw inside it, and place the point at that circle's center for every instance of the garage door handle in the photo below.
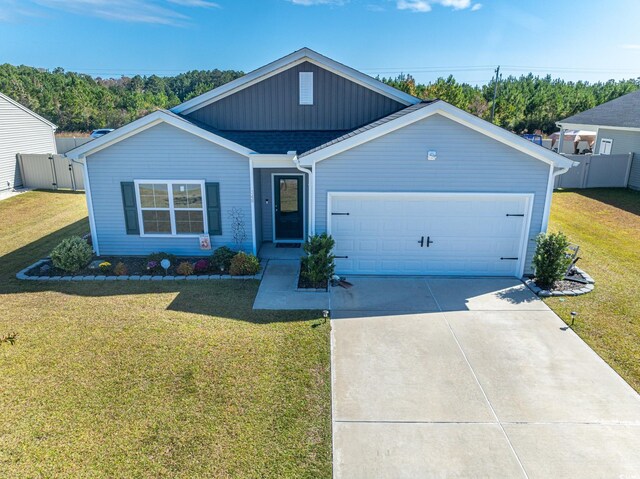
(421, 242)
(429, 242)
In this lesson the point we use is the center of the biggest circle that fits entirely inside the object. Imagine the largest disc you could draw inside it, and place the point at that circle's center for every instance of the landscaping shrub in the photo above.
(105, 267)
(185, 268)
(201, 266)
(121, 269)
(221, 259)
(72, 254)
(551, 259)
(318, 267)
(244, 264)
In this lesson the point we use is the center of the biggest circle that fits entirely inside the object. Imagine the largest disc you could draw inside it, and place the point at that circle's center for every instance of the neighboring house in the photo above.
(307, 145)
(617, 124)
(21, 131)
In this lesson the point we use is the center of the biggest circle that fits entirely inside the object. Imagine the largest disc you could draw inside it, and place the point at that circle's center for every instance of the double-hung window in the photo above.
(172, 208)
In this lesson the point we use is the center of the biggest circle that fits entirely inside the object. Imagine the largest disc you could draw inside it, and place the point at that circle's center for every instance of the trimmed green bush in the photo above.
(72, 254)
(221, 259)
(318, 266)
(157, 257)
(551, 258)
(244, 264)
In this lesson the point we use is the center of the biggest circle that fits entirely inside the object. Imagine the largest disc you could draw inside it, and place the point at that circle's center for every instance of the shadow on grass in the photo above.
(232, 299)
(621, 198)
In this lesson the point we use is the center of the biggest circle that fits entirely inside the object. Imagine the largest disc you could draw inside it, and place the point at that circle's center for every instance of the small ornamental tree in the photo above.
(318, 266)
(551, 258)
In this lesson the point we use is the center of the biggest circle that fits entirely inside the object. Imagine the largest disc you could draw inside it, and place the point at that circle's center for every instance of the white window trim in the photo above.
(308, 77)
(172, 209)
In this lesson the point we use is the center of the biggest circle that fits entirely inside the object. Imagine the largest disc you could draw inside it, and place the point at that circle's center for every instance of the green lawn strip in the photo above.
(606, 225)
(144, 379)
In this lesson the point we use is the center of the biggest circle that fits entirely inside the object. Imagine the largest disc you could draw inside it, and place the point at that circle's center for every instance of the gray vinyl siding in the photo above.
(467, 161)
(20, 132)
(273, 104)
(164, 152)
(266, 210)
(624, 142)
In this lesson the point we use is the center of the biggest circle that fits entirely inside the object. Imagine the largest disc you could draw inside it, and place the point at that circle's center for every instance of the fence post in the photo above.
(585, 172)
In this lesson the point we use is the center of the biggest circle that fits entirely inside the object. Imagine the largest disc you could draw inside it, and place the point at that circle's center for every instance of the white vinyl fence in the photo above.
(64, 144)
(597, 171)
(50, 172)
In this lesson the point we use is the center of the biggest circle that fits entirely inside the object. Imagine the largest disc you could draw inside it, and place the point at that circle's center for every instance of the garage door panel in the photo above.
(470, 233)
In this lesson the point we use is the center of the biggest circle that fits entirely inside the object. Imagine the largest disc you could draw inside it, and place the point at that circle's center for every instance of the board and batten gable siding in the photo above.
(467, 161)
(624, 142)
(20, 132)
(164, 152)
(273, 104)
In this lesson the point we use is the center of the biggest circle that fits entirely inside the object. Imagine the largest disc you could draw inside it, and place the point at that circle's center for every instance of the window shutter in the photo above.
(130, 208)
(214, 211)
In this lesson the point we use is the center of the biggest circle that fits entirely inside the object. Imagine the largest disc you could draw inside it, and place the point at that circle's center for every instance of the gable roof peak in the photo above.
(284, 63)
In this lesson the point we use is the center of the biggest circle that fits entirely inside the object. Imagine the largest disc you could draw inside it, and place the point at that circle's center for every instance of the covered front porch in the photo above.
(281, 209)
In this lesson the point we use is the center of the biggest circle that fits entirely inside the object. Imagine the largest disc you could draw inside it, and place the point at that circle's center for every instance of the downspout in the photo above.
(312, 196)
(552, 181)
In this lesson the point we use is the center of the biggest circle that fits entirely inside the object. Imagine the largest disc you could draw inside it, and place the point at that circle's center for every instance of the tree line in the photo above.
(523, 104)
(80, 102)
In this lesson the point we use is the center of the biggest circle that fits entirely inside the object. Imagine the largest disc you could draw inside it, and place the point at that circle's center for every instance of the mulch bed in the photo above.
(565, 284)
(303, 283)
(136, 265)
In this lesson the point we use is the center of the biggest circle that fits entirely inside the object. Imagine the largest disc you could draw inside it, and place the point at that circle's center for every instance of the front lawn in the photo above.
(151, 379)
(606, 225)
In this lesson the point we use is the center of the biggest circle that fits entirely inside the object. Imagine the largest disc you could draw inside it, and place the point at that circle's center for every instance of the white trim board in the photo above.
(153, 119)
(290, 61)
(25, 109)
(579, 126)
(273, 209)
(451, 112)
(524, 237)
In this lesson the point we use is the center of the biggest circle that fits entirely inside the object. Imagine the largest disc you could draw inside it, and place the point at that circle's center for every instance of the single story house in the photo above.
(307, 145)
(21, 131)
(617, 125)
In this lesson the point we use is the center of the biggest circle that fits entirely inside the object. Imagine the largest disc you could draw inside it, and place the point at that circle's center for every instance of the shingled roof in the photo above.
(622, 112)
(303, 142)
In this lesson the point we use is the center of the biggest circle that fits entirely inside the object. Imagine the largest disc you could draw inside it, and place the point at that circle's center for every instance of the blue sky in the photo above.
(589, 40)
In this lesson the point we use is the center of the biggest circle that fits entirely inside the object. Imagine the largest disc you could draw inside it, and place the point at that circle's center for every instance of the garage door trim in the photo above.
(528, 197)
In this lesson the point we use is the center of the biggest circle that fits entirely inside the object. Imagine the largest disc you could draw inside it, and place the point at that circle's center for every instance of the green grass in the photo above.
(147, 379)
(606, 225)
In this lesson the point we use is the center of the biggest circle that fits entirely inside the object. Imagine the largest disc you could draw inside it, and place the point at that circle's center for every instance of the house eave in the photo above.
(146, 122)
(584, 126)
(452, 113)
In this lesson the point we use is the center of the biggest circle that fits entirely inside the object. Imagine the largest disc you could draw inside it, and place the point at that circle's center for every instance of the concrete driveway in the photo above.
(440, 377)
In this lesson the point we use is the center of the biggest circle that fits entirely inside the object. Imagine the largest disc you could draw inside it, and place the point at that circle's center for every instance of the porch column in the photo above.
(561, 140)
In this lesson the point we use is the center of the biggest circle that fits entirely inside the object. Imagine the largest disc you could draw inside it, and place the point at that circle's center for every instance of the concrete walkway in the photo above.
(443, 377)
(278, 289)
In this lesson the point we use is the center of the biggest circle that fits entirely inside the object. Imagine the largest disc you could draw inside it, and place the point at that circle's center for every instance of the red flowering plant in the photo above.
(201, 266)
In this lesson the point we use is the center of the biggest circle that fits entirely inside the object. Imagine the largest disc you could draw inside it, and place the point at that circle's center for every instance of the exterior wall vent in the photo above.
(306, 88)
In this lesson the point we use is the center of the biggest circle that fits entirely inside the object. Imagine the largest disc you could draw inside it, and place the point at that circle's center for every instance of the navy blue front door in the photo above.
(288, 207)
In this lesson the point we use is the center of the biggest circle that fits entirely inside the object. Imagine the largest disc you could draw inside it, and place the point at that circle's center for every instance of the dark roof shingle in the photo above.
(623, 111)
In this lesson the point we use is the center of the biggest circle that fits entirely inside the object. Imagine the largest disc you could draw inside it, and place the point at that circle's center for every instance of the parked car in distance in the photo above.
(100, 132)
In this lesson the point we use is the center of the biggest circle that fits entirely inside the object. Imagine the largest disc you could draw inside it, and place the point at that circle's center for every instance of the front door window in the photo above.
(288, 208)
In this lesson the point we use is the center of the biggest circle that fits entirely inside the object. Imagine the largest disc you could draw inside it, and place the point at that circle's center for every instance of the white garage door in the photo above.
(429, 233)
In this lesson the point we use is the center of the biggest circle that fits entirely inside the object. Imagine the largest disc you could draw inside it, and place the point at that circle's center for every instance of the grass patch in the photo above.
(151, 379)
(606, 225)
